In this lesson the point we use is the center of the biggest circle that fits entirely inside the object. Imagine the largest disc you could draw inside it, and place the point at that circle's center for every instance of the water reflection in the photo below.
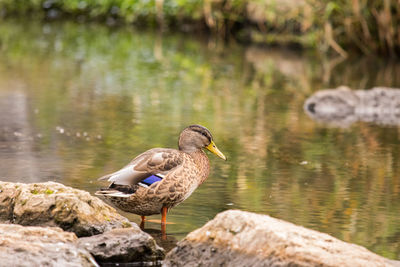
(168, 242)
(117, 92)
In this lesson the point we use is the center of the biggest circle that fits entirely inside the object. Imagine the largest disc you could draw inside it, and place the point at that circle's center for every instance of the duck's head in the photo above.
(195, 137)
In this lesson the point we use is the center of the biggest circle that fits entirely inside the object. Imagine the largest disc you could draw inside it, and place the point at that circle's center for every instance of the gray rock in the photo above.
(53, 204)
(238, 238)
(40, 246)
(343, 106)
(123, 245)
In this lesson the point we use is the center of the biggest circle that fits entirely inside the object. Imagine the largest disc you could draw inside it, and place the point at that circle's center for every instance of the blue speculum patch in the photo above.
(151, 180)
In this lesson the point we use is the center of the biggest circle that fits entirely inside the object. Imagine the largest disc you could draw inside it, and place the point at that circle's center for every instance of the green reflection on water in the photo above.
(94, 97)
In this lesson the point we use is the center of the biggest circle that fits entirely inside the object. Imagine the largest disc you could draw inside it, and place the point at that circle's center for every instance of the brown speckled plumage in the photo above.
(183, 170)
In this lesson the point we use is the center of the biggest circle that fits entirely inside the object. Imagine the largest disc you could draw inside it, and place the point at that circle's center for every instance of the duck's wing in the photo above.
(156, 161)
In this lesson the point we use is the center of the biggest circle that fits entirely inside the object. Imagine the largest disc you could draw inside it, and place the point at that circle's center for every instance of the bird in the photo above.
(161, 178)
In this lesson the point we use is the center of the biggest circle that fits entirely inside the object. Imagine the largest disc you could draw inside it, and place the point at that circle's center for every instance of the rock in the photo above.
(394, 263)
(238, 238)
(53, 204)
(122, 246)
(39, 246)
(343, 106)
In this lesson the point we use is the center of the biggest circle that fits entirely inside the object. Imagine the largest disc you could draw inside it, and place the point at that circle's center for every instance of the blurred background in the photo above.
(87, 85)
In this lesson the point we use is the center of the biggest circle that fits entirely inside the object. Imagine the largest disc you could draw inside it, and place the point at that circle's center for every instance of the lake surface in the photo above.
(78, 101)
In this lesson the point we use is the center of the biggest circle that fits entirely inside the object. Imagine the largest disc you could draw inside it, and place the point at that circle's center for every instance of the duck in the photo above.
(161, 178)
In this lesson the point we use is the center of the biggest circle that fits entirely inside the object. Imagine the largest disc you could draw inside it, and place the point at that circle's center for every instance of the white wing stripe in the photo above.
(117, 194)
(143, 185)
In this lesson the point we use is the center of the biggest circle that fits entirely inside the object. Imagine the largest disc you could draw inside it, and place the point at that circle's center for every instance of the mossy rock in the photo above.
(53, 204)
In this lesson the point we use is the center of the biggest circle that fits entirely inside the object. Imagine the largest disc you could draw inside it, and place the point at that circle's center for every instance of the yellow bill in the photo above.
(214, 149)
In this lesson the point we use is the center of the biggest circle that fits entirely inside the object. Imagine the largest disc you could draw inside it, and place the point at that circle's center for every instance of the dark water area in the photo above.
(79, 101)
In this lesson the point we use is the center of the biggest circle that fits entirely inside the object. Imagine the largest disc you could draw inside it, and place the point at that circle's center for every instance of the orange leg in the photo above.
(164, 215)
(164, 223)
(142, 222)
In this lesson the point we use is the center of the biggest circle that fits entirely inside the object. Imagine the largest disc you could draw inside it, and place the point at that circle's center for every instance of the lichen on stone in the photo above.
(49, 191)
(34, 192)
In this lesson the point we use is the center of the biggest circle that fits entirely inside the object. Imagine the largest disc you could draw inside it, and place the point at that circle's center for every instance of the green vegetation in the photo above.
(365, 25)
(49, 191)
(34, 192)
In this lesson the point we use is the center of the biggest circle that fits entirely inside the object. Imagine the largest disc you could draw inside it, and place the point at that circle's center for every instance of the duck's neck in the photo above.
(202, 162)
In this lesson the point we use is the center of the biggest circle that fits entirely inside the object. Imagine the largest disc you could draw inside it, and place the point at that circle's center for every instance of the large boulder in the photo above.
(53, 204)
(40, 246)
(238, 238)
(123, 246)
(343, 106)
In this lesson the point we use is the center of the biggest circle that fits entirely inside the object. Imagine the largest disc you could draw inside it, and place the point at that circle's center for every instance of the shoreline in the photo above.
(311, 25)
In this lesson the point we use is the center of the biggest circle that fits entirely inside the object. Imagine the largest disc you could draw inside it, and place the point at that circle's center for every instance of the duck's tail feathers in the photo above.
(115, 190)
(105, 177)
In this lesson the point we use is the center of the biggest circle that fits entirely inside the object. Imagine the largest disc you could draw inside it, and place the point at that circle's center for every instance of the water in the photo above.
(78, 101)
